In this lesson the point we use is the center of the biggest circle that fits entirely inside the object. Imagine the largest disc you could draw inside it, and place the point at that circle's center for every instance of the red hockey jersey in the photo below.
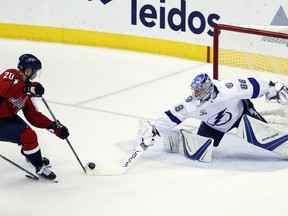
(13, 98)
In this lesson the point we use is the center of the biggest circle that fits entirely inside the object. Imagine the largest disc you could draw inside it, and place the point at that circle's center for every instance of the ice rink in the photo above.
(99, 94)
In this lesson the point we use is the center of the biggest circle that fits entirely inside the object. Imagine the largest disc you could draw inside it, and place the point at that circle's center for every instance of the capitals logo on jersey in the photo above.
(18, 102)
(220, 118)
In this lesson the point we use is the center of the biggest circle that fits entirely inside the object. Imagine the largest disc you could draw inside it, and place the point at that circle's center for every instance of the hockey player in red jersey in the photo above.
(17, 92)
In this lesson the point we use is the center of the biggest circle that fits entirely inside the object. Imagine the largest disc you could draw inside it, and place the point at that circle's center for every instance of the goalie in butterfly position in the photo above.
(17, 92)
(220, 105)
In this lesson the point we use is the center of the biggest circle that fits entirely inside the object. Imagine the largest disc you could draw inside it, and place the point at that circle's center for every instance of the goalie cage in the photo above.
(258, 51)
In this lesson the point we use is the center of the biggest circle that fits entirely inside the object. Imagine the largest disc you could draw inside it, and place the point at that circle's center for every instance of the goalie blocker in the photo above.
(263, 135)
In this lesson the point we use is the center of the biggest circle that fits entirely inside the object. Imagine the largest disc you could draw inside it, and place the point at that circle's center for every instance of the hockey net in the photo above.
(253, 51)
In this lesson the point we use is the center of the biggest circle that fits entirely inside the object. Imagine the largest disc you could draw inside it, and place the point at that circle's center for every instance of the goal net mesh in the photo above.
(253, 51)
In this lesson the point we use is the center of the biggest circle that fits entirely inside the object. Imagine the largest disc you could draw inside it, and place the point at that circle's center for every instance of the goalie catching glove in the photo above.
(146, 134)
(278, 92)
(58, 129)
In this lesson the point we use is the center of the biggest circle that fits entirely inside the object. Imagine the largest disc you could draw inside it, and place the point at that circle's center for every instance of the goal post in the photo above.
(252, 51)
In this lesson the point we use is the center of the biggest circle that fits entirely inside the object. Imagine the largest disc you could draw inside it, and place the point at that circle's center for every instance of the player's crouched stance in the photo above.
(17, 92)
(220, 105)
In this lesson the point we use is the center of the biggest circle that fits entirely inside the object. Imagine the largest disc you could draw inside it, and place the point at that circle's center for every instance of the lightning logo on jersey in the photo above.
(220, 118)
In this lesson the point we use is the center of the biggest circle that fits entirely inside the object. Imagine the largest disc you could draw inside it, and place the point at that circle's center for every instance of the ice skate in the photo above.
(45, 173)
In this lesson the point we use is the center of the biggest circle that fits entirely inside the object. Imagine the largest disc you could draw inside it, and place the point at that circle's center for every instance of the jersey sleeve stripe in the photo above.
(256, 87)
(172, 117)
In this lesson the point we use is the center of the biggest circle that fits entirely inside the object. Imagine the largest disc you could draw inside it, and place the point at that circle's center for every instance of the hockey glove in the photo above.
(278, 92)
(35, 88)
(146, 134)
(58, 129)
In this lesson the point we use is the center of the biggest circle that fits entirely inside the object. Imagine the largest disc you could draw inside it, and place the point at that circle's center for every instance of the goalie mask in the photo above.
(202, 88)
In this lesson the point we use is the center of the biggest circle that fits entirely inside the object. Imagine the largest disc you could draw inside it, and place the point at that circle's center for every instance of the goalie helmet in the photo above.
(202, 88)
(29, 61)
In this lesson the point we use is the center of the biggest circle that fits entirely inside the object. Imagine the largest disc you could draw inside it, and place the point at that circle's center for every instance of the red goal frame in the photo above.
(219, 27)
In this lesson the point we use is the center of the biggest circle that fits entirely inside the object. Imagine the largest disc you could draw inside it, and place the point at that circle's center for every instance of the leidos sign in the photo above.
(177, 19)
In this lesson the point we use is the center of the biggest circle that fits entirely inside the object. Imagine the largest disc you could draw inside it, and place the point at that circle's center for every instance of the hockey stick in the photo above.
(29, 174)
(58, 125)
(121, 169)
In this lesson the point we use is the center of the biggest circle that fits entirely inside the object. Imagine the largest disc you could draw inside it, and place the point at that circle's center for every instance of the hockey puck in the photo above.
(91, 165)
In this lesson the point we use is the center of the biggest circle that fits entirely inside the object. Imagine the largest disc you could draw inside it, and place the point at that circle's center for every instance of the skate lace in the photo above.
(44, 171)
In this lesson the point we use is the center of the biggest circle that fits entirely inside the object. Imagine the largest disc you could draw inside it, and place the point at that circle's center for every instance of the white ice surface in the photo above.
(99, 94)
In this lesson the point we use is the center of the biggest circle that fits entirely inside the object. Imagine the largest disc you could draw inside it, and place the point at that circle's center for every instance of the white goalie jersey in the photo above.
(221, 111)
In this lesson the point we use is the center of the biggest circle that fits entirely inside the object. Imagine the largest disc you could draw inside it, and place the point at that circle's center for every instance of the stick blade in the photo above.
(106, 171)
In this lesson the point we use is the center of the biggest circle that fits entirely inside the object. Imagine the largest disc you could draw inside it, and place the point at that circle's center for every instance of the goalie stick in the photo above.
(118, 170)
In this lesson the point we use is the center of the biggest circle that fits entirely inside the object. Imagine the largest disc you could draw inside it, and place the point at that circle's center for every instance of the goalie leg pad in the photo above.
(263, 135)
(196, 147)
(190, 145)
(171, 141)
